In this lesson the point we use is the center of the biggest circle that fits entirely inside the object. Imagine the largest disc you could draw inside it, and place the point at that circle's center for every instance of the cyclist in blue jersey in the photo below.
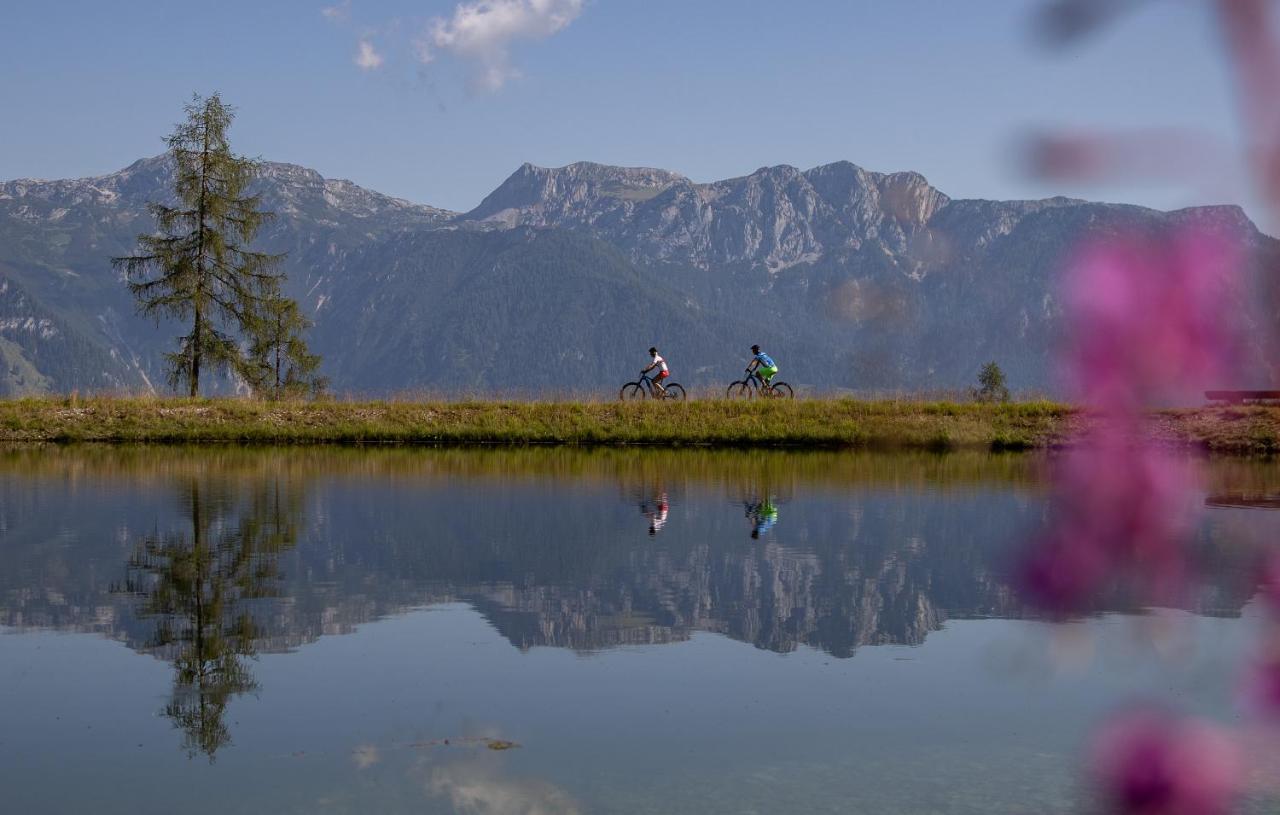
(762, 365)
(763, 515)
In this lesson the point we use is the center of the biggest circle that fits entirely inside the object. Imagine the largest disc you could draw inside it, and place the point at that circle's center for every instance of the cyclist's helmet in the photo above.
(755, 349)
(653, 350)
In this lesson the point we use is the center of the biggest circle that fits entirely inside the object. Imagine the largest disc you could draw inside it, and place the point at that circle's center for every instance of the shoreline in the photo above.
(802, 423)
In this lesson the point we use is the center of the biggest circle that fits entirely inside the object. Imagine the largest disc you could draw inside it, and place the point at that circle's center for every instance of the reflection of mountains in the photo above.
(553, 555)
(771, 596)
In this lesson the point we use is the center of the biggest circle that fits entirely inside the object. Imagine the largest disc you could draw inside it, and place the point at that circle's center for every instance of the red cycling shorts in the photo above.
(664, 374)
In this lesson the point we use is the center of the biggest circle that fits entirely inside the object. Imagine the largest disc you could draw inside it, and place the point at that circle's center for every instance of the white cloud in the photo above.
(478, 788)
(365, 756)
(482, 31)
(339, 12)
(367, 57)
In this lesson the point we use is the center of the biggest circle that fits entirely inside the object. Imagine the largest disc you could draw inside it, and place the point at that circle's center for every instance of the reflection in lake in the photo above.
(197, 583)
(763, 515)
(876, 549)
(1243, 500)
(536, 542)
(214, 560)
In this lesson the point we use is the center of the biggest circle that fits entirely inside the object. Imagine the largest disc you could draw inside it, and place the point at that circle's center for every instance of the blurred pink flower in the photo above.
(1263, 687)
(1269, 584)
(1149, 318)
(1152, 154)
(1121, 510)
(1063, 21)
(1254, 56)
(1149, 762)
(1060, 575)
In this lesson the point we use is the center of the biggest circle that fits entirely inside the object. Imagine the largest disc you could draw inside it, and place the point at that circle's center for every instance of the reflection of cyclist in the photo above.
(661, 364)
(656, 512)
(763, 516)
(763, 365)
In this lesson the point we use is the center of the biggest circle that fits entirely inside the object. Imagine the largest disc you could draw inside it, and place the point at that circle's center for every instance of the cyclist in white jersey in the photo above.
(656, 512)
(661, 364)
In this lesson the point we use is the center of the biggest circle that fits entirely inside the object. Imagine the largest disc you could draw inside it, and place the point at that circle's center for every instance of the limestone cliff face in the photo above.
(583, 193)
(776, 217)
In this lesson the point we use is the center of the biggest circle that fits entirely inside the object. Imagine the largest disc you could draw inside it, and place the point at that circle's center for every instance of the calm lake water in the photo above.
(340, 630)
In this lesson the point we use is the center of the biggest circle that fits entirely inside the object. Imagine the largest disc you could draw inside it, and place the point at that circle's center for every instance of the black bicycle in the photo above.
(753, 386)
(643, 388)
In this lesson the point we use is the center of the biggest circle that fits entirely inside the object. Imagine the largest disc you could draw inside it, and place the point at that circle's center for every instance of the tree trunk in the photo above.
(197, 332)
(279, 331)
(195, 360)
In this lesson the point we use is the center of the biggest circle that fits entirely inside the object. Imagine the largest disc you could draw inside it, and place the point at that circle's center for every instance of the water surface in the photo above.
(344, 630)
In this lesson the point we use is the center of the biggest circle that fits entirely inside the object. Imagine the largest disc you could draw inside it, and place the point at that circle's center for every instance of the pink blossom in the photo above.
(1263, 686)
(1149, 318)
(1062, 21)
(1121, 509)
(1151, 154)
(1254, 56)
(1059, 576)
(1151, 763)
(1269, 584)
(1262, 677)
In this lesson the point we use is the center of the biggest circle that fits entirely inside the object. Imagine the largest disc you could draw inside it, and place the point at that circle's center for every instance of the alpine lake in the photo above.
(555, 630)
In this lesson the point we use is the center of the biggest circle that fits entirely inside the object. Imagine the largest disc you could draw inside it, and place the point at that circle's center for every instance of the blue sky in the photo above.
(709, 88)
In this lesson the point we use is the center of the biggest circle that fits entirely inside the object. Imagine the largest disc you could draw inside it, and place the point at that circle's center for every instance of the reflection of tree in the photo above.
(198, 585)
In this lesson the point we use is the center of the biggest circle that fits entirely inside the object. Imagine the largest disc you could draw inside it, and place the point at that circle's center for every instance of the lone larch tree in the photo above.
(198, 267)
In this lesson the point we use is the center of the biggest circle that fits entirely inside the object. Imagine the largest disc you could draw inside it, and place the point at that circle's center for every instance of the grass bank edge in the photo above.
(837, 422)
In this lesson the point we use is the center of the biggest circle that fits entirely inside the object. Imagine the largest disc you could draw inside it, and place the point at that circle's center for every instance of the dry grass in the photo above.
(908, 423)
(806, 422)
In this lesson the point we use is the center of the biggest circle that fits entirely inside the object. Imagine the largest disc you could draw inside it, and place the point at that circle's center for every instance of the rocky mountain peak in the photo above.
(775, 217)
(141, 177)
(775, 172)
(286, 188)
(291, 187)
(840, 174)
(909, 199)
(534, 195)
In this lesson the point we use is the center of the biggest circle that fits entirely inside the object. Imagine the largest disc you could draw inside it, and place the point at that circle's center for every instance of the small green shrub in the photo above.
(992, 386)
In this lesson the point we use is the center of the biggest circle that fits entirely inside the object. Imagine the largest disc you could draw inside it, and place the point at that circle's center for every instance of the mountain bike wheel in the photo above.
(675, 391)
(738, 390)
(782, 390)
(632, 391)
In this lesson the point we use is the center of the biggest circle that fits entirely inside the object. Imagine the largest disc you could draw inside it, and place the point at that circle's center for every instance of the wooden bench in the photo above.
(1240, 397)
(1244, 500)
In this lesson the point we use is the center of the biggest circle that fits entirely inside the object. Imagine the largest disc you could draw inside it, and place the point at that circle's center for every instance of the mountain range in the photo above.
(561, 279)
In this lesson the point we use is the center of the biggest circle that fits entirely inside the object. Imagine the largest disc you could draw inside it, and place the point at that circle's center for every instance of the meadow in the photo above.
(830, 423)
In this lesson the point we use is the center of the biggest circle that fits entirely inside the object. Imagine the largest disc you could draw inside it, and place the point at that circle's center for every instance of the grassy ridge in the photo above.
(800, 423)
(811, 423)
